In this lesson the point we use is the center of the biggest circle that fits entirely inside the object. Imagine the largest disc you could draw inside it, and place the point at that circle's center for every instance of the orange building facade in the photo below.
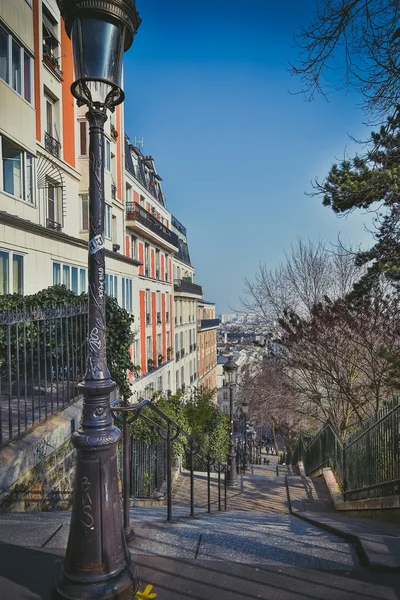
(207, 325)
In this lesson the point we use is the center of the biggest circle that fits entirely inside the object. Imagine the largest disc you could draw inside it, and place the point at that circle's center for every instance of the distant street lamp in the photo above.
(230, 370)
(97, 563)
(245, 411)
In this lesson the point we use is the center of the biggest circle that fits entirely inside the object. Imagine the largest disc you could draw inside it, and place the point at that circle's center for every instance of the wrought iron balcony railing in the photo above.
(113, 191)
(183, 286)
(50, 224)
(135, 212)
(52, 61)
(207, 323)
(52, 145)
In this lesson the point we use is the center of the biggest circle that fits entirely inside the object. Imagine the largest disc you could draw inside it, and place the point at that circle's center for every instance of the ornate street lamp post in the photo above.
(245, 411)
(97, 563)
(230, 369)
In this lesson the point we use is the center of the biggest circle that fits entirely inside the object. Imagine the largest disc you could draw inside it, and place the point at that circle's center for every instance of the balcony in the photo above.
(135, 212)
(50, 224)
(182, 286)
(51, 62)
(207, 323)
(113, 191)
(177, 355)
(52, 145)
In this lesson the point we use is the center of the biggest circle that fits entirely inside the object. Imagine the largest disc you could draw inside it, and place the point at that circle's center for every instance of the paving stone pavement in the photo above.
(259, 490)
(256, 549)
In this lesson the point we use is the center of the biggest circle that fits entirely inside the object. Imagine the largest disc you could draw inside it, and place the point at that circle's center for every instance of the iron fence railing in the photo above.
(42, 360)
(366, 463)
(372, 456)
(148, 468)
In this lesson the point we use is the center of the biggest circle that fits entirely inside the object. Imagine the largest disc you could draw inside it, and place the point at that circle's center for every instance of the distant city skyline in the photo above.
(207, 88)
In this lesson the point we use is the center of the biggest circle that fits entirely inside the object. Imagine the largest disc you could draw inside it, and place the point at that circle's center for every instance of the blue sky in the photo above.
(208, 89)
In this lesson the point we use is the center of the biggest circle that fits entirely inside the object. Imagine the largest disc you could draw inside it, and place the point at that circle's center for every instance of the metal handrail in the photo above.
(169, 437)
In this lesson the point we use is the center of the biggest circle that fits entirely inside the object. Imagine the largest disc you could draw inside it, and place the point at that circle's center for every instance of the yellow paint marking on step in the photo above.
(145, 594)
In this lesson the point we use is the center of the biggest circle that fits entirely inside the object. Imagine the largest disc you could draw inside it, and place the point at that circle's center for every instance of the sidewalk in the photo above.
(377, 543)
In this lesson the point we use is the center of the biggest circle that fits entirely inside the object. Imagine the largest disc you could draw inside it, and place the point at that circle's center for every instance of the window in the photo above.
(127, 294)
(148, 347)
(159, 384)
(166, 267)
(27, 77)
(17, 171)
(54, 211)
(4, 54)
(16, 71)
(128, 193)
(56, 274)
(73, 277)
(11, 273)
(83, 136)
(49, 115)
(82, 280)
(111, 285)
(134, 247)
(50, 40)
(108, 221)
(225, 395)
(157, 263)
(148, 307)
(114, 228)
(15, 65)
(147, 259)
(85, 212)
(107, 152)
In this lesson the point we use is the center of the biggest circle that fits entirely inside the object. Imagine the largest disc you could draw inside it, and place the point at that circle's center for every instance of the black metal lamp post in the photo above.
(245, 411)
(230, 369)
(97, 563)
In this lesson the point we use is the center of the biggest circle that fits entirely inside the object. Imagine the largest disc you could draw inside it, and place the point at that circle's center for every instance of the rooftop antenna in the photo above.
(139, 142)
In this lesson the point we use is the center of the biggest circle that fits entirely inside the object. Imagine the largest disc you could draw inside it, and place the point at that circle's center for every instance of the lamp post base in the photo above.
(121, 587)
(97, 564)
(231, 476)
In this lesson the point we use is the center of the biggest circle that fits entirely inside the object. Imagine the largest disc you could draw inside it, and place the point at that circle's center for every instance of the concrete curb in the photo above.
(378, 552)
(350, 537)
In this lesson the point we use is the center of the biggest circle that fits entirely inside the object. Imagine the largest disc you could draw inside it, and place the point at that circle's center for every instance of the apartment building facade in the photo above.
(186, 295)
(44, 161)
(150, 240)
(207, 325)
(44, 204)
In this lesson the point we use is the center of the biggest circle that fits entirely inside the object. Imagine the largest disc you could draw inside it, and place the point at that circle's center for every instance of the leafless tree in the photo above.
(352, 43)
(310, 271)
(271, 398)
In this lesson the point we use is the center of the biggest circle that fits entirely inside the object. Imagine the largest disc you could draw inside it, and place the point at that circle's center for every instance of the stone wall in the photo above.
(37, 470)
